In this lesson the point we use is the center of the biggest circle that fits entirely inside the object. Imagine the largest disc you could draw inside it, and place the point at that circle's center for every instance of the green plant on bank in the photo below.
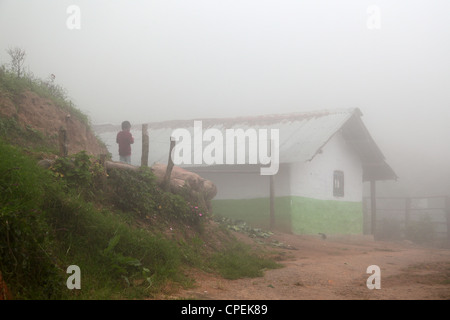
(80, 171)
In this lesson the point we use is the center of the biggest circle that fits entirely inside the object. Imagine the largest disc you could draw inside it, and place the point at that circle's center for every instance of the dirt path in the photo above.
(335, 269)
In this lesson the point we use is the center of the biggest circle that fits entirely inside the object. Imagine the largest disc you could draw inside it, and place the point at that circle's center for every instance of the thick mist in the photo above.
(147, 61)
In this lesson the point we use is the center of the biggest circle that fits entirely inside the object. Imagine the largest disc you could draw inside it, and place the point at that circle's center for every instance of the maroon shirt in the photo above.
(124, 139)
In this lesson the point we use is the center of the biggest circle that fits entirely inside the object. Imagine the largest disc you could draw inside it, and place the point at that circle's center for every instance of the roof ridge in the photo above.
(257, 119)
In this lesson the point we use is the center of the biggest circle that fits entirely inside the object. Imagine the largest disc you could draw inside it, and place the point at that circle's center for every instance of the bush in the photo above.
(138, 192)
(132, 191)
(80, 172)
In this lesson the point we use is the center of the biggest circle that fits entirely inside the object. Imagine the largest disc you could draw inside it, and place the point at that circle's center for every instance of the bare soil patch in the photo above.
(334, 269)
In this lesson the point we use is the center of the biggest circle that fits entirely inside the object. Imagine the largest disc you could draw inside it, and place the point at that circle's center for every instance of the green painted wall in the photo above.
(256, 212)
(311, 216)
(296, 214)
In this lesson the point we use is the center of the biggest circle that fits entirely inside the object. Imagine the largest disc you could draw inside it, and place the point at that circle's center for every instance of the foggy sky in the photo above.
(150, 61)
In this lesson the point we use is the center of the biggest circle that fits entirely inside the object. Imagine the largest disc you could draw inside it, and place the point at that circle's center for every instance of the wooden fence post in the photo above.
(145, 142)
(166, 181)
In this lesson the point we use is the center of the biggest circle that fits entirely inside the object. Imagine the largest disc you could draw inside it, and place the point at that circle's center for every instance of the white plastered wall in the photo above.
(314, 179)
(247, 185)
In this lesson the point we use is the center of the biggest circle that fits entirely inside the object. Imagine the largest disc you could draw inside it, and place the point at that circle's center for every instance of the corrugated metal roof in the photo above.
(301, 135)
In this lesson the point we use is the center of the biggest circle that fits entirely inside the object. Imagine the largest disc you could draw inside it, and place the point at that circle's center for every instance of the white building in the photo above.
(325, 157)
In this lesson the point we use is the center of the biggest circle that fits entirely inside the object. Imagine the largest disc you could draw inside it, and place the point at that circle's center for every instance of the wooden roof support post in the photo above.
(271, 193)
(272, 202)
(373, 206)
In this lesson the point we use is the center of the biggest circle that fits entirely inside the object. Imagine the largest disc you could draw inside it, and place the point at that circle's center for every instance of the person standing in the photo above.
(125, 140)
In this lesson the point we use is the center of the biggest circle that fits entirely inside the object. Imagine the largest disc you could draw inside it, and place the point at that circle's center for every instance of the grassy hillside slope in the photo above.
(129, 238)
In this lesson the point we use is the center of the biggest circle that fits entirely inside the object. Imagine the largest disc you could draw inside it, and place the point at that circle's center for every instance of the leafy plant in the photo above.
(117, 262)
(133, 191)
(80, 172)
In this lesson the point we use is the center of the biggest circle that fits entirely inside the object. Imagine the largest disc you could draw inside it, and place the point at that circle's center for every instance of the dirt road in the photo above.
(335, 269)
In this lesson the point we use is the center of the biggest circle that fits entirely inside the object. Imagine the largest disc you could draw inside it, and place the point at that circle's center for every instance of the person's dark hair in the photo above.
(126, 125)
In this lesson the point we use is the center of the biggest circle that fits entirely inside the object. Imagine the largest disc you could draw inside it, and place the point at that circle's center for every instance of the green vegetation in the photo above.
(50, 219)
(12, 132)
(47, 225)
(130, 238)
(25, 239)
(238, 261)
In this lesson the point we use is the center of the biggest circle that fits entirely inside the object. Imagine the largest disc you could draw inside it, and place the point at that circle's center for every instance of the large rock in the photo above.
(197, 186)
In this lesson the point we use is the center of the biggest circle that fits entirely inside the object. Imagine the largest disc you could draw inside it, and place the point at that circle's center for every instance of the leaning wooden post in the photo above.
(166, 181)
(62, 135)
(373, 206)
(145, 142)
